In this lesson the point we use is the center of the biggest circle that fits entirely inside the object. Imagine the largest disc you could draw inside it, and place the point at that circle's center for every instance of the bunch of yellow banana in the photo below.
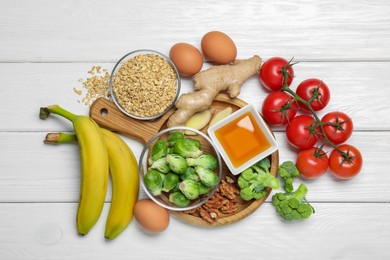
(101, 152)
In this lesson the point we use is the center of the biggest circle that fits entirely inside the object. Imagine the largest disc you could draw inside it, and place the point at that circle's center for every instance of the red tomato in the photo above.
(338, 126)
(279, 108)
(315, 91)
(301, 132)
(345, 165)
(312, 163)
(272, 71)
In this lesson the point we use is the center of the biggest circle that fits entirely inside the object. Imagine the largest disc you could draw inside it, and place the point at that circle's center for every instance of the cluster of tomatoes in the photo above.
(306, 131)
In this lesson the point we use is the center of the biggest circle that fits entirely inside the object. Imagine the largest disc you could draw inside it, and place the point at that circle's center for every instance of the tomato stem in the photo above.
(319, 123)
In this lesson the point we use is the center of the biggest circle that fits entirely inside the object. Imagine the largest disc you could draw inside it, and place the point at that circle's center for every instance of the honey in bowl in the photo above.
(242, 139)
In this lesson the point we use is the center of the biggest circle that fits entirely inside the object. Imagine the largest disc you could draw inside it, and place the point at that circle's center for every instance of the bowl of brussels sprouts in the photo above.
(180, 172)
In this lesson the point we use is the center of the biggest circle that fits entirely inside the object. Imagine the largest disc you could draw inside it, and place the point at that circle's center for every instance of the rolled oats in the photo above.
(95, 86)
(145, 85)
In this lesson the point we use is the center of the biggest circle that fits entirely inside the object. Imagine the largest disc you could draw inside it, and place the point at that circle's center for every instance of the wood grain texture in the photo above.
(46, 46)
(33, 171)
(335, 231)
(28, 86)
(47, 31)
(108, 115)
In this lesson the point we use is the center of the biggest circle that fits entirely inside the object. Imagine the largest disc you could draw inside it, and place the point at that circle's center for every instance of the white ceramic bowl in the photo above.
(246, 142)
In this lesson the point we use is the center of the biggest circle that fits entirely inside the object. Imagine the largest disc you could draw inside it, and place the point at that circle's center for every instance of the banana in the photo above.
(94, 167)
(124, 177)
(125, 184)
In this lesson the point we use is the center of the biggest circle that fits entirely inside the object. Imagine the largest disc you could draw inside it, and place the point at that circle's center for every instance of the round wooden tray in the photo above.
(106, 114)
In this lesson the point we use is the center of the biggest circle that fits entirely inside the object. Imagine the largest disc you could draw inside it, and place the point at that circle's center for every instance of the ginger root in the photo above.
(220, 115)
(209, 83)
(198, 121)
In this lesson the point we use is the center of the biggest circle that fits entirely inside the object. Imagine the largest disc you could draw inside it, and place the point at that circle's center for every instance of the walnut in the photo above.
(191, 211)
(214, 213)
(223, 201)
(230, 179)
(205, 215)
(228, 190)
(229, 208)
(215, 201)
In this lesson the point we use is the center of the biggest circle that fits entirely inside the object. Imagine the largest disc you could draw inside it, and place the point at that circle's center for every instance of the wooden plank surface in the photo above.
(335, 231)
(28, 86)
(104, 31)
(47, 46)
(34, 171)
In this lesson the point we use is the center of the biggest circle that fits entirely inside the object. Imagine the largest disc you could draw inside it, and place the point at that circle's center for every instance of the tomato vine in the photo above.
(317, 94)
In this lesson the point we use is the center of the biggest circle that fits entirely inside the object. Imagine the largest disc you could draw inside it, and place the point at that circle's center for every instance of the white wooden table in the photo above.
(46, 46)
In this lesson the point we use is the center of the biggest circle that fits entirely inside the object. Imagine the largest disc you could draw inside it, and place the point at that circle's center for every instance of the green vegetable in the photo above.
(255, 179)
(207, 176)
(264, 164)
(161, 165)
(176, 188)
(154, 182)
(203, 189)
(195, 142)
(170, 182)
(205, 160)
(187, 148)
(190, 174)
(292, 205)
(190, 189)
(179, 199)
(160, 150)
(250, 192)
(172, 138)
(288, 171)
(176, 163)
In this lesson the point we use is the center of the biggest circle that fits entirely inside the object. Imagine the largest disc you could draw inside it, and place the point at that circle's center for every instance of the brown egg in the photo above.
(218, 47)
(150, 216)
(187, 58)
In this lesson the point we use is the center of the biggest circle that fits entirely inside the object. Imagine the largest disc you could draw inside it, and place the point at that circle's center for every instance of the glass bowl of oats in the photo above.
(144, 84)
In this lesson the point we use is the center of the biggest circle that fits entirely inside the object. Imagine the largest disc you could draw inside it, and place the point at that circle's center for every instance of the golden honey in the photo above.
(242, 139)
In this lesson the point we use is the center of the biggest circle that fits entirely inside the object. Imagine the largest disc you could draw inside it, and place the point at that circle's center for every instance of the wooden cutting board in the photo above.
(107, 115)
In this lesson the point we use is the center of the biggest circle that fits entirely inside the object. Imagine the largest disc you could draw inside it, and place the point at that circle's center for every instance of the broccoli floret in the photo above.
(255, 179)
(288, 171)
(293, 205)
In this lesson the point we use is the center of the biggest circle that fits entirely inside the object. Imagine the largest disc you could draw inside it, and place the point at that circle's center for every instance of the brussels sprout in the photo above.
(159, 150)
(187, 148)
(176, 188)
(170, 181)
(172, 138)
(154, 181)
(190, 174)
(190, 189)
(195, 142)
(205, 160)
(161, 165)
(176, 163)
(203, 189)
(179, 199)
(207, 177)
